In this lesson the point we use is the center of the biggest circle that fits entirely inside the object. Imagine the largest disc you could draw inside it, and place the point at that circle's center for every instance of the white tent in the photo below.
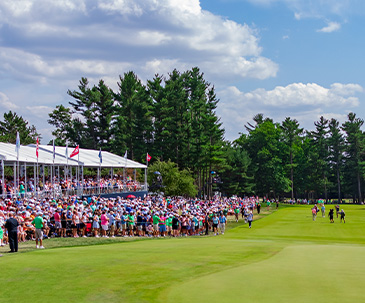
(56, 157)
(27, 154)
(90, 157)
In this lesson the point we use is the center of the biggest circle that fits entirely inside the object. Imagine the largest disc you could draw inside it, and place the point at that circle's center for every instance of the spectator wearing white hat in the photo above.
(39, 224)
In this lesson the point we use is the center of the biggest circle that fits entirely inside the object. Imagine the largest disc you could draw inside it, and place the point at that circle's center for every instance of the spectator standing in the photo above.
(222, 223)
(1, 236)
(11, 225)
(57, 221)
(104, 224)
(215, 221)
(38, 223)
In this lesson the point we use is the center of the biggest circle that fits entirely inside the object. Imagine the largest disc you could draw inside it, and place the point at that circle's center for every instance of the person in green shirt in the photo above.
(236, 212)
(169, 225)
(22, 190)
(131, 220)
(38, 223)
(1, 236)
(155, 221)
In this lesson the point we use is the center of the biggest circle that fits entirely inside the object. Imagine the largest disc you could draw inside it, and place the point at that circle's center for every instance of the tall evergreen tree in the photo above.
(14, 123)
(320, 161)
(336, 148)
(354, 154)
(291, 137)
(61, 119)
(133, 128)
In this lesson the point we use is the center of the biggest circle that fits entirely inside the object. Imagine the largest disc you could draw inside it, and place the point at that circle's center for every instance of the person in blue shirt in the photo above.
(215, 222)
(222, 223)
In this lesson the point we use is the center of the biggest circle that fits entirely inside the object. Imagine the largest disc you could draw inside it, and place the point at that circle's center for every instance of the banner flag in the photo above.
(37, 148)
(148, 158)
(54, 151)
(100, 156)
(17, 145)
(75, 152)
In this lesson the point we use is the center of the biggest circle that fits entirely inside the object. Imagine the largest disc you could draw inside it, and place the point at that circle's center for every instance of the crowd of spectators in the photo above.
(90, 185)
(107, 217)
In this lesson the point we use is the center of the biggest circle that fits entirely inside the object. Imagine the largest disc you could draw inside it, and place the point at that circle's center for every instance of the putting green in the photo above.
(285, 257)
(310, 273)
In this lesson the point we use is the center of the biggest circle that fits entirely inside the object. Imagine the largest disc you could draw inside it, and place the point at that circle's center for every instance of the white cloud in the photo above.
(39, 111)
(299, 94)
(6, 104)
(317, 8)
(304, 102)
(115, 31)
(331, 27)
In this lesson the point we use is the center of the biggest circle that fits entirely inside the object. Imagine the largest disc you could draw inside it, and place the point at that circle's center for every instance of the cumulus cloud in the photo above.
(39, 111)
(298, 94)
(304, 102)
(331, 27)
(120, 31)
(6, 103)
(319, 8)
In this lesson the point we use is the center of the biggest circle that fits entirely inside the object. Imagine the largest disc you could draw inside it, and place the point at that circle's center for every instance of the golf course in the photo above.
(284, 257)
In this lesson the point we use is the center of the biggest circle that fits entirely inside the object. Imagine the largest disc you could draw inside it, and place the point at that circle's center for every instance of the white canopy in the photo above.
(90, 157)
(27, 154)
(86, 157)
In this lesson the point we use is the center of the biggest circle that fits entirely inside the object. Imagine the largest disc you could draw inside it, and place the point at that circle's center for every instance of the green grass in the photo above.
(285, 257)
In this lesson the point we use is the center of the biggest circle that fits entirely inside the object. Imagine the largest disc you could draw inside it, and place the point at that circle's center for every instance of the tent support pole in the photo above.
(3, 178)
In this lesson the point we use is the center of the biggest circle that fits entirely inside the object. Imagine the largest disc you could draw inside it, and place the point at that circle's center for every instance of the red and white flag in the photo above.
(37, 148)
(75, 151)
(148, 158)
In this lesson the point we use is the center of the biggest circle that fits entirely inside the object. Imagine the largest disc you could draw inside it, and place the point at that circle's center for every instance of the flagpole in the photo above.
(53, 172)
(3, 178)
(124, 171)
(66, 172)
(145, 174)
(25, 178)
(15, 170)
(100, 159)
(37, 179)
(78, 172)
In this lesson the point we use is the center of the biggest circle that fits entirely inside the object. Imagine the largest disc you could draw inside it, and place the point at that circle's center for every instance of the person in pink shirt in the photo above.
(57, 221)
(104, 224)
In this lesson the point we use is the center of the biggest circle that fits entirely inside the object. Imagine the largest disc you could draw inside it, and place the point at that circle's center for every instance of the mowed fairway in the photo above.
(285, 257)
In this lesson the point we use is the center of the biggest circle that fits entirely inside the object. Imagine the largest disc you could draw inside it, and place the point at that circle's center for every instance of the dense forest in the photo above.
(173, 118)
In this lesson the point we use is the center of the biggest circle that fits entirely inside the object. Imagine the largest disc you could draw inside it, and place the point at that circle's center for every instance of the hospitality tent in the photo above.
(27, 154)
(56, 157)
(90, 157)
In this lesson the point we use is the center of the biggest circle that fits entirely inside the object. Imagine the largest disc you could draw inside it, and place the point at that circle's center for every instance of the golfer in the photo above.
(330, 215)
(323, 210)
(342, 216)
(250, 219)
(314, 213)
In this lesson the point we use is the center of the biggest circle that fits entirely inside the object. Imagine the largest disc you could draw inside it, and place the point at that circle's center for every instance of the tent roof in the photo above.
(90, 157)
(27, 154)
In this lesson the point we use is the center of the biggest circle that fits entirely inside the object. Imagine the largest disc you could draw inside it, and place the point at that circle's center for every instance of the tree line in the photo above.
(173, 118)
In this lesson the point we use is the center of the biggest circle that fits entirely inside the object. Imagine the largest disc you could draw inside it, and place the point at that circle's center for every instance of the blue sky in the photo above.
(297, 58)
